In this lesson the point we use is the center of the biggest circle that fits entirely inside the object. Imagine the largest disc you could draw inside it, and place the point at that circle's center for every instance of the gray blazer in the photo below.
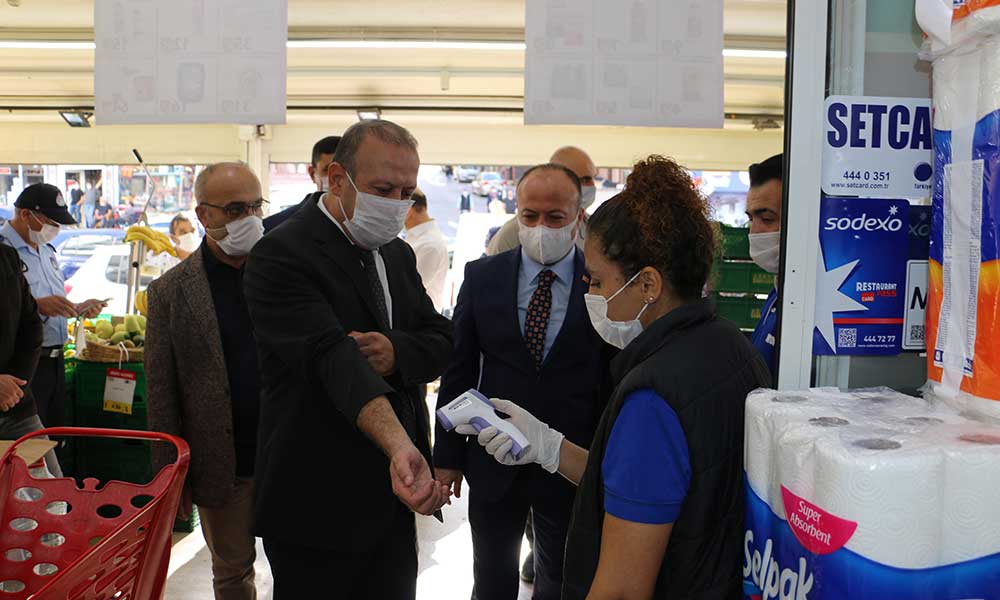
(187, 386)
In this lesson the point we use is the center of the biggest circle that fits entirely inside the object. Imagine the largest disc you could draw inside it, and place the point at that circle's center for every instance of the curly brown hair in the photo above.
(662, 221)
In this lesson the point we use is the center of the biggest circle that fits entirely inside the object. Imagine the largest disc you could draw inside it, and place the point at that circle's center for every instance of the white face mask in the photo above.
(322, 183)
(546, 245)
(46, 235)
(765, 250)
(617, 333)
(189, 242)
(376, 221)
(589, 196)
(243, 235)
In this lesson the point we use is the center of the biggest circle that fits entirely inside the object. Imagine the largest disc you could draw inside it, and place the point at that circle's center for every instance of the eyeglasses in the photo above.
(235, 210)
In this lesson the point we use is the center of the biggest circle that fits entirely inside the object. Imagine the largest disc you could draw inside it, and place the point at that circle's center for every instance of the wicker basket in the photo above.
(105, 353)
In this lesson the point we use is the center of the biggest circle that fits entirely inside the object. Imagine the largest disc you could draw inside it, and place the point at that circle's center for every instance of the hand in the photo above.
(56, 306)
(186, 507)
(91, 308)
(544, 441)
(378, 350)
(451, 478)
(10, 391)
(412, 482)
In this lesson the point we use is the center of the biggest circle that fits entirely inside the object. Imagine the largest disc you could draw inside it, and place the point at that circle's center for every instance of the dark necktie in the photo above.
(378, 292)
(537, 322)
(400, 401)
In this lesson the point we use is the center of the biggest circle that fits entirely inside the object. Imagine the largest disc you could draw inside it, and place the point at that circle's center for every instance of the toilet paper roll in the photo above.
(889, 484)
(794, 459)
(768, 415)
(971, 515)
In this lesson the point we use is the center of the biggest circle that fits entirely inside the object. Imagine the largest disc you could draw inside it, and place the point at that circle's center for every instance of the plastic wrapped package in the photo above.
(869, 494)
(963, 310)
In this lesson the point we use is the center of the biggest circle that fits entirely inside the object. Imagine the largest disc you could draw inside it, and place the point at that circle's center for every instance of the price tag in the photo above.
(119, 389)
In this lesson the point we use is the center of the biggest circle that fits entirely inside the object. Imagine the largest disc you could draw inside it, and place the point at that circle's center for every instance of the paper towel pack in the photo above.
(869, 494)
(963, 309)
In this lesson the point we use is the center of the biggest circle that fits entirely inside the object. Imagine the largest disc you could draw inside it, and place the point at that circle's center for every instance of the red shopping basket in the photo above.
(60, 542)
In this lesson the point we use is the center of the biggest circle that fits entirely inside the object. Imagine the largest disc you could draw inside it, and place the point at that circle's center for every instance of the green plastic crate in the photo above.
(89, 404)
(188, 526)
(742, 278)
(745, 311)
(122, 460)
(735, 242)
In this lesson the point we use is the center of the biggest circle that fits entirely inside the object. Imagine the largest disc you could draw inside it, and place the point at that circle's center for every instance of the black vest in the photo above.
(704, 368)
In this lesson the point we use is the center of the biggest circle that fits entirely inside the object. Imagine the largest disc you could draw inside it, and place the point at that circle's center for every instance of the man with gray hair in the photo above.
(545, 356)
(346, 336)
(202, 376)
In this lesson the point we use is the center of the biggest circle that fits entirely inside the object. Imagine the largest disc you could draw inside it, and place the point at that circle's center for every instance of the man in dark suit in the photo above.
(522, 331)
(346, 335)
(322, 156)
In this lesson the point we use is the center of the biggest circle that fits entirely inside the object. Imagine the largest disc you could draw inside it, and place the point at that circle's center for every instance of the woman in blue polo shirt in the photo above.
(659, 509)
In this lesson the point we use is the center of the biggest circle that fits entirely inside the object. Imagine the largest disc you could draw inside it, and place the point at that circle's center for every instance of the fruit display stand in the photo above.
(739, 286)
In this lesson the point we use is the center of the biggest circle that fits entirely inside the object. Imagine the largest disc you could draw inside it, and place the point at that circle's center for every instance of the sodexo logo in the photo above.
(865, 223)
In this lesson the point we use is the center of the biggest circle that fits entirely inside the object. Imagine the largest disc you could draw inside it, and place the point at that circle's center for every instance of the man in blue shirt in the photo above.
(41, 210)
(764, 211)
(522, 331)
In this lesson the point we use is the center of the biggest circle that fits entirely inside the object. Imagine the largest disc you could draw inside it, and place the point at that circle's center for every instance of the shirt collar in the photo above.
(322, 208)
(563, 269)
(13, 237)
(424, 229)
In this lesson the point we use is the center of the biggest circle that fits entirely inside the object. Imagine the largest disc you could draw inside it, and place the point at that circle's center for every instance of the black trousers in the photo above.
(388, 571)
(49, 388)
(497, 529)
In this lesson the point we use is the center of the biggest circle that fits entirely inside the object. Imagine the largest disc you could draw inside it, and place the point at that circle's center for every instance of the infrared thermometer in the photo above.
(473, 408)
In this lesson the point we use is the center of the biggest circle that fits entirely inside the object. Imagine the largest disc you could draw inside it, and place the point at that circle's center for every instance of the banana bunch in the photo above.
(157, 242)
(140, 302)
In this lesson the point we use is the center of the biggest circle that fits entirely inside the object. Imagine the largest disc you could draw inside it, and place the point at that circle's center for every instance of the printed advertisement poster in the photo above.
(861, 277)
(878, 147)
(916, 279)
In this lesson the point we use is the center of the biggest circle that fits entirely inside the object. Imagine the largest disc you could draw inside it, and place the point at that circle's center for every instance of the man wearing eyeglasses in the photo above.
(203, 382)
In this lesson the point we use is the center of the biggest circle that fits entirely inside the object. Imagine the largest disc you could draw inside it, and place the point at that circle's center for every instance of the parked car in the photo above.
(486, 182)
(75, 246)
(466, 173)
(6, 214)
(105, 275)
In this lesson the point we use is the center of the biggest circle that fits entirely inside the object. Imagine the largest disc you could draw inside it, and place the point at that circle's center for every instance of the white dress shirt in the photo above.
(379, 263)
(432, 259)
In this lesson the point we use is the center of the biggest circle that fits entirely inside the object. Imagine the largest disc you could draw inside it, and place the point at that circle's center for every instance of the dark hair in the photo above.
(419, 200)
(770, 169)
(662, 221)
(560, 169)
(177, 220)
(327, 145)
(387, 131)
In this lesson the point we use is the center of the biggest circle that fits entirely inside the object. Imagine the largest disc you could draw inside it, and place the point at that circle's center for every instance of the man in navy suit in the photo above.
(522, 332)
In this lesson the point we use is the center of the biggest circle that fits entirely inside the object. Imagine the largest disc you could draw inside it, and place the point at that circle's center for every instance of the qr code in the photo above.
(847, 338)
(916, 333)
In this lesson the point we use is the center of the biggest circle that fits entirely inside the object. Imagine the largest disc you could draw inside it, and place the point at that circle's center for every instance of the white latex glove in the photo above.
(545, 441)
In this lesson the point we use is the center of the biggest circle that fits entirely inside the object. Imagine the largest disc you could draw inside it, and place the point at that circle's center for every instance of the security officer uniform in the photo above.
(45, 279)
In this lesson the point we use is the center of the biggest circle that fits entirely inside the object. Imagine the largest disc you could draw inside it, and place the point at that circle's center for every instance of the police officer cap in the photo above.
(46, 199)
